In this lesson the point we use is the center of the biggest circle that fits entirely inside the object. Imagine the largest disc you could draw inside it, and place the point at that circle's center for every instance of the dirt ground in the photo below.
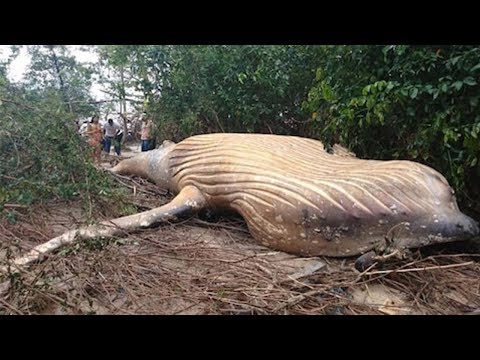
(211, 265)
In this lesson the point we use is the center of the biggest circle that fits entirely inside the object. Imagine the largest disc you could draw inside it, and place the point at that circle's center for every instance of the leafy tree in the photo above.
(41, 155)
(52, 67)
(403, 102)
(233, 88)
(124, 73)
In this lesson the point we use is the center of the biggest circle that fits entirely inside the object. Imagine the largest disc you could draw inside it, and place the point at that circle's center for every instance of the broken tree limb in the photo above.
(189, 200)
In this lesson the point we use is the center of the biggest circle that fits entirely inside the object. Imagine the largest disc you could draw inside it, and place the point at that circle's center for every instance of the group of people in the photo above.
(102, 138)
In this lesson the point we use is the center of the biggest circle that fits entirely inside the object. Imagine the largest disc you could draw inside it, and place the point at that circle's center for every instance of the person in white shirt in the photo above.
(110, 130)
(83, 129)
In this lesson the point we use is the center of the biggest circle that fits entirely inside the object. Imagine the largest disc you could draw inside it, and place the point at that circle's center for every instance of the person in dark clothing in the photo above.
(117, 142)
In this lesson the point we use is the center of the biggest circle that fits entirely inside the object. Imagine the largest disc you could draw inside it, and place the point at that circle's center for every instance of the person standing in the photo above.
(94, 134)
(117, 143)
(83, 128)
(111, 130)
(146, 134)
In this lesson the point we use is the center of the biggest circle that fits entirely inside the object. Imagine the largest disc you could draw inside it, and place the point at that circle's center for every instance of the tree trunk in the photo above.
(125, 128)
(123, 104)
(65, 96)
(123, 93)
(215, 116)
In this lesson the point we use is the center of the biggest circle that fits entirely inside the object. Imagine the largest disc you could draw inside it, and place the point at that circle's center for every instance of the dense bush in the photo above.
(41, 155)
(403, 102)
(237, 88)
(198, 89)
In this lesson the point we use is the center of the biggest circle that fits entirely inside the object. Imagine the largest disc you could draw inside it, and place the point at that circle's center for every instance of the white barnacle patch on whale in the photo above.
(191, 203)
(279, 218)
(394, 208)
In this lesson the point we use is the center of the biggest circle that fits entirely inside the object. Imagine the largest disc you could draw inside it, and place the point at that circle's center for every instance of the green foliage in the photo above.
(197, 89)
(127, 70)
(52, 67)
(237, 88)
(41, 155)
(404, 102)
